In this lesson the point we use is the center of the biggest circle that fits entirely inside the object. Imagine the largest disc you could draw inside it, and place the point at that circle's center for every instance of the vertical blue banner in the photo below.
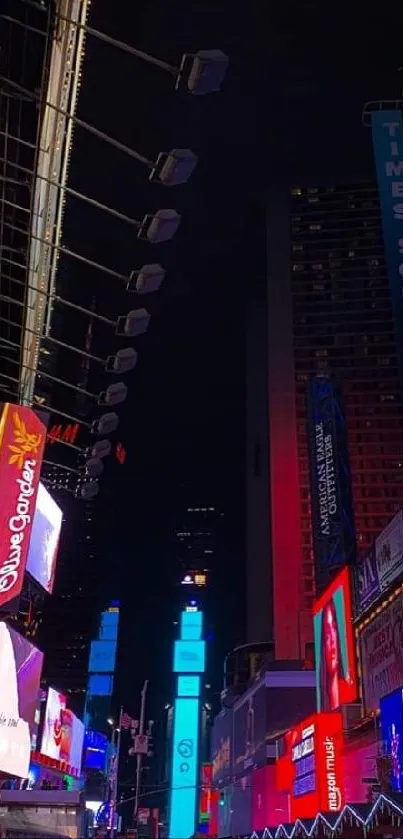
(184, 783)
(387, 138)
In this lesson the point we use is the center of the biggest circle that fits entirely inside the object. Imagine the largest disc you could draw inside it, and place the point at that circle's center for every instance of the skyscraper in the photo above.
(329, 311)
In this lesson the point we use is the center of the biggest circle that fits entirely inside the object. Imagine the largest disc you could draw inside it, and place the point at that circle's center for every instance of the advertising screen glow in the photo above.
(381, 654)
(20, 674)
(311, 770)
(392, 735)
(188, 685)
(191, 626)
(102, 657)
(189, 656)
(336, 674)
(44, 542)
(22, 440)
(63, 733)
(184, 792)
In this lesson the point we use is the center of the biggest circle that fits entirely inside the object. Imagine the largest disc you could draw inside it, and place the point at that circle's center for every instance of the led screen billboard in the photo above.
(20, 674)
(387, 138)
(102, 657)
(331, 494)
(22, 440)
(382, 565)
(250, 727)
(392, 735)
(269, 805)
(188, 685)
(44, 541)
(189, 656)
(191, 625)
(381, 654)
(184, 783)
(311, 769)
(63, 733)
(336, 672)
(95, 750)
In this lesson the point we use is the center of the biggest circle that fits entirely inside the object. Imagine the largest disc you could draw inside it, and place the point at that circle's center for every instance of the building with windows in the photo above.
(328, 311)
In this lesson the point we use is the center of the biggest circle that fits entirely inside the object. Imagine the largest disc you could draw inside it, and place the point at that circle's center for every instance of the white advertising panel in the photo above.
(44, 541)
(389, 552)
(20, 673)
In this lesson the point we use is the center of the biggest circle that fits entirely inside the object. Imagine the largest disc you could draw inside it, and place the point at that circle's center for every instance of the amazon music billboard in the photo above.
(22, 442)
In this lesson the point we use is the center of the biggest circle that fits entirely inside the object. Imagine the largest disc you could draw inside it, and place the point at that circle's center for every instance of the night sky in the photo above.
(290, 107)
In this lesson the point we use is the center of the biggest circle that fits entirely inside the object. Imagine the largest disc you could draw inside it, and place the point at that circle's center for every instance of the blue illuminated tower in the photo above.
(189, 665)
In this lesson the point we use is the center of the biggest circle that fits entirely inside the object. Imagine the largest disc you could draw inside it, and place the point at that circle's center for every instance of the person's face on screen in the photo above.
(330, 641)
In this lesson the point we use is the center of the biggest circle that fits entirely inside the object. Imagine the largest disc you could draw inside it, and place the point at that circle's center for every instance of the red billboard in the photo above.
(336, 671)
(311, 770)
(269, 805)
(22, 441)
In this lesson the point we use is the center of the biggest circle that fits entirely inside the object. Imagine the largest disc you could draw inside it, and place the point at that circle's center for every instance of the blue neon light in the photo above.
(102, 657)
(189, 656)
(191, 626)
(188, 685)
(182, 816)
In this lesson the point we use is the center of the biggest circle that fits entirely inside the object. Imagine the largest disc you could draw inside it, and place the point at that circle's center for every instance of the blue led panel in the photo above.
(182, 815)
(100, 685)
(109, 626)
(191, 626)
(189, 656)
(102, 657)
(188, 685)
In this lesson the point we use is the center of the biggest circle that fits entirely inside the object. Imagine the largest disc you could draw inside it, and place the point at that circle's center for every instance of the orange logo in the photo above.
(24, 442)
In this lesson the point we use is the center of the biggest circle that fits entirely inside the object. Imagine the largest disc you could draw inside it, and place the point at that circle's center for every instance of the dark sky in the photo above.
(290, 107)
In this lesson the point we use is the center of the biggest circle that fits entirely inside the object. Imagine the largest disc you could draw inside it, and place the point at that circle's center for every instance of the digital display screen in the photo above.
(336, 674)
(20, 674)
(189, 656)
(96, 747)
(392, 735)
(44, 541)
(184, 794)
(188, 685)
(102, 657)
(191, 626)
(63, 732)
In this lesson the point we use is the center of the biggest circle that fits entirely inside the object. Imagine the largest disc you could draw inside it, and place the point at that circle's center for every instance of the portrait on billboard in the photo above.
(44, 542)
(20, 674)
(336, 675)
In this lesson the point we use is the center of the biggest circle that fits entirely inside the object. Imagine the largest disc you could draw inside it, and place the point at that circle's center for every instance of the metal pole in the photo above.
(139, 756)
(114, 789)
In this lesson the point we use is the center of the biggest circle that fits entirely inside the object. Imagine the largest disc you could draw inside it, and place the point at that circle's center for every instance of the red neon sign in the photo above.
(121, 453)
(22, 441)
(311, 771)
(63, 433)
(336, 671)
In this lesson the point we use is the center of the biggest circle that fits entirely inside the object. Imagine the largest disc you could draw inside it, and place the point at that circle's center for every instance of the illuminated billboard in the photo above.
(95, 750)
(331, 494)
(189, 656)
(382, 566)
(392, 735)
(221, 746)
(191, 626)
(311, 768)
(22, 441)
(188, 685)
(387, 138)
(381, 654)
(336, 672)
(184, 783)
(102, 657)
(20, 674)
(44, 541)
(63, 732)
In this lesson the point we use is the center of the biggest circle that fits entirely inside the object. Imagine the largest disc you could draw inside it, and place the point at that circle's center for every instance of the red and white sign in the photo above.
(311, 770)
(22, 441)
